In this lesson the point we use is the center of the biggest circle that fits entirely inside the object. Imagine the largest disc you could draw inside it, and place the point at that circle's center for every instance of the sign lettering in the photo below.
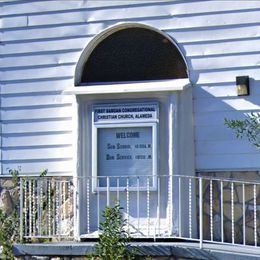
(130, 112)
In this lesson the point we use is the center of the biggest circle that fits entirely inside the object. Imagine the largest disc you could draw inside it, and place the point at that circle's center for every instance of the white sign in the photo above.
(125, 113)
(125, 142)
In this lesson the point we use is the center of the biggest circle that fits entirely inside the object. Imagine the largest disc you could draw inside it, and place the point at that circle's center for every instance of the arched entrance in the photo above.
(130, 83)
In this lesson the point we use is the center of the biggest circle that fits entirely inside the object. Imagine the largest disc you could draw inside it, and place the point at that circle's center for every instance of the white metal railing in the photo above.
(200, 209)
(46, 207)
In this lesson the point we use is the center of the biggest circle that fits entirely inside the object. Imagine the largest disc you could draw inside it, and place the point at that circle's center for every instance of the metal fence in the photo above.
(46, 207)
(200, 209)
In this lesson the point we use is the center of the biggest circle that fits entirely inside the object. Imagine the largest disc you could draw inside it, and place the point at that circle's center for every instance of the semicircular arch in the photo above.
(130, 52)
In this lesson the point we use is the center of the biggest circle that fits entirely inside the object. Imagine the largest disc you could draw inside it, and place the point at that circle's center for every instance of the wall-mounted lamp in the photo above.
(242, 83)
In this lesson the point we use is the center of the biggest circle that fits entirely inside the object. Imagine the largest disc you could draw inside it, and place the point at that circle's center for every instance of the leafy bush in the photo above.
(8, 233)
(113, 241)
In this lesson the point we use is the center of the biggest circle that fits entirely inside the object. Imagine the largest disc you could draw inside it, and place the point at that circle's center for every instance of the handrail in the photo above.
(196, 208)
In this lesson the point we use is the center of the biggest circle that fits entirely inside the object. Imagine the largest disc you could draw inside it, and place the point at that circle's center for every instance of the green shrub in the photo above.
(8, 233)
(113, 240)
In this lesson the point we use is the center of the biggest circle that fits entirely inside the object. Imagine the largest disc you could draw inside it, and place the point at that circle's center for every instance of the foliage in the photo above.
(15, 176)
(43, 173)
(9, 225)
(113, 241)
(249, 128)
(8, 233)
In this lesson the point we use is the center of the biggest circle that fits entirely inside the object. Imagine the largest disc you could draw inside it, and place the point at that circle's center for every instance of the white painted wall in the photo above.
(41, 42)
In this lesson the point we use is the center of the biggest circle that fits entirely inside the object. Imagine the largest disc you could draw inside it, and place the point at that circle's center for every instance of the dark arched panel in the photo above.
(134, 54)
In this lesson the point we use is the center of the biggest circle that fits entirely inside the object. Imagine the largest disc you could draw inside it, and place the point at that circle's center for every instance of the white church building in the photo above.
(125, 101)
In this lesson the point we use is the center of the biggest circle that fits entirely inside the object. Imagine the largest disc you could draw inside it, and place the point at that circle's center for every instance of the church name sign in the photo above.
(125, 144)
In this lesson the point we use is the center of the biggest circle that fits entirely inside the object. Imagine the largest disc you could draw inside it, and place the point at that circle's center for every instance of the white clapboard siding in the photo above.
(41, 43)
(219, 22)
(37, 113)
(51, 59)
(36, 33)
(223, 75)
(239, 161)
(217, 118)
(227, 47)
(36, 100)
(33, 7)
(44, 126)
(147, 11)
(214, 133)
(219, 104)
(44, 48)
(205, 35)
(122, 4)
(226, 62)
(210, 91)
(223, 90)
(35, 167)
(41, 139)
(83, 10)
(64, 70)
(100, 15)
(182, 34)
(37, 153)
(194, 7)
(38, 86)
(30, 7)
(231, 147)
(13, 22)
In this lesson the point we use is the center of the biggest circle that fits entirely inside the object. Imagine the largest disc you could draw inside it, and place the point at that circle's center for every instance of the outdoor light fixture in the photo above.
(242, 83)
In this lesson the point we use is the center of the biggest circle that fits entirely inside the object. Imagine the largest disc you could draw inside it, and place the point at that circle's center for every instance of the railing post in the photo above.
(108, 192)
(21, 209)
(255, 217)
(222, 211)
(49, 205)
(232, 214)
(71, 210)
(98, 203)
(30, 206)
(88, 205)
(211, 209)
(201, 212)
(127, 205)
(117, 191)
(39, 205)
(158, 206)
(138, 204)
(148, 205)
(190, 211)
(180, 209)
(244, 214)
